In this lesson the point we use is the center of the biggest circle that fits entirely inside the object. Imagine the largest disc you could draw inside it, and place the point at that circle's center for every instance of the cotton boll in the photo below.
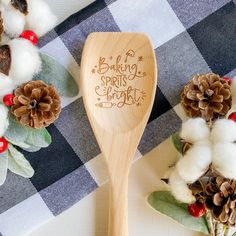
(223, 131)
(3, 119)
(6, 85)
(25, 62)
(5, 2)
(13, 21)
(224, 159)
(195, 162)
(179, 188)
(40, 18)
(194, 130)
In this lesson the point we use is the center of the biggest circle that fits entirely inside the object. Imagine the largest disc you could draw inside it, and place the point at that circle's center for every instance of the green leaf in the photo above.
(54, 73)
(165, 203)
(177, 142)
(3, 166)
(16, 133)
(32, 148)
(38, 137)
(18, 164)
(234, 234)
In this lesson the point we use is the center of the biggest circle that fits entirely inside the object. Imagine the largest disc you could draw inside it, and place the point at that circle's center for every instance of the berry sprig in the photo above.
(30, 35)
(3, 145)
(197, 209)
(8, 100)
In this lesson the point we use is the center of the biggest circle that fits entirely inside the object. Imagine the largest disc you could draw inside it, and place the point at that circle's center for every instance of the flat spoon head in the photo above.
(118, 81)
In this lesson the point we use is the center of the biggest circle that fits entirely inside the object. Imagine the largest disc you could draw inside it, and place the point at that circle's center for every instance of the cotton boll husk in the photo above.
(194, 130)
(5, 39)
(179, 188)
(6, 85)
(3, 119)
(223, 131)
(40, 18)
(13, 21)
(195, 162)
(25, 61)
(224, 159)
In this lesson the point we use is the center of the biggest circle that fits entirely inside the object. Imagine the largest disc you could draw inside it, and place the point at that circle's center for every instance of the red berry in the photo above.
(197, 209)
(8, 100)
(3, 145)
(30, 35)
(227, 79)
(232, 116)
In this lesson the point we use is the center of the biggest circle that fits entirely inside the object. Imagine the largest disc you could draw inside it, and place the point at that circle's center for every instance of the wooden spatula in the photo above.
(118, 82)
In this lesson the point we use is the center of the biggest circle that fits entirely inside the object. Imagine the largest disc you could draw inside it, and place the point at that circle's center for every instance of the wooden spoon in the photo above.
(118, 82)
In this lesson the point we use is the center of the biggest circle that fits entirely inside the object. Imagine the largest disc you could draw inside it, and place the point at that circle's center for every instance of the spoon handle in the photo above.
(118, 212)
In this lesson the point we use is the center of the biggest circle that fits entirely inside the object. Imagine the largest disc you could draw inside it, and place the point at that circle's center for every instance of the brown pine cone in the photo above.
(221, 200)
(207, 96)
(218, 194)
(36, 104)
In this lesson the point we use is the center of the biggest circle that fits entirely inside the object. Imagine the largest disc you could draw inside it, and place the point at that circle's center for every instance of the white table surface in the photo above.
(89, 217)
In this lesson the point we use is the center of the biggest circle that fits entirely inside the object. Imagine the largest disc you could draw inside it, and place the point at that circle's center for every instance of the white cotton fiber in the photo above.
(6, 85)
(40, 18)
(179, 188)
(224, 159)
(5, 2)
(194, 130)
(195, 162)
(13, 21)
(223, 131)
(25, 62)
(3, 119)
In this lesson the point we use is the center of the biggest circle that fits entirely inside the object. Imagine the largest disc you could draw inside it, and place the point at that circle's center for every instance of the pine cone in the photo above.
(218, 194)
(221, 200)
(36, 104)
(207, 96)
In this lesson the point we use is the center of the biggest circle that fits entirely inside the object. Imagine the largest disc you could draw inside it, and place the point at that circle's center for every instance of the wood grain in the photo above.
(118, 83)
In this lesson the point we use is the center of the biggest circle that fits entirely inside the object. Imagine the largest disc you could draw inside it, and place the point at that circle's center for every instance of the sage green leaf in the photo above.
(18, 144)
(31, 148)
(164, 202)
(176, 140)
(18, 164)
(234, 234)
(38, 137)
(16, 133)
(54, 73)
(3, 166)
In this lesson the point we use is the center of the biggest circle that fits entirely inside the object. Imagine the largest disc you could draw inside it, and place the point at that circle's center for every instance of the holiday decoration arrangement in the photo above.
(202, 182)
(31, 84)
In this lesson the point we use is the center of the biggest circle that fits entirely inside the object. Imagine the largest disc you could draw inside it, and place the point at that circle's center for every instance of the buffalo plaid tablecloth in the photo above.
(188, 36)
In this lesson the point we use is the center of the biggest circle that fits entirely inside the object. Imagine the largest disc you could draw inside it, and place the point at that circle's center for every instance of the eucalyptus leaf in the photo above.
(164, 202)
(18, 144)
(177, 142)
(3, 166)
(18, 164)
(16, 133)
(38, 137)
(54, 73)
(32, 148)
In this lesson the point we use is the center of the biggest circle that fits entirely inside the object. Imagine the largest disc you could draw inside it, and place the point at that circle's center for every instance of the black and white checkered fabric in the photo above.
(189, 37)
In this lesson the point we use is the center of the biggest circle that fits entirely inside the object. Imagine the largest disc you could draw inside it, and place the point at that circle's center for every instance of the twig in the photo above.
(210, 223)
(219, 229)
